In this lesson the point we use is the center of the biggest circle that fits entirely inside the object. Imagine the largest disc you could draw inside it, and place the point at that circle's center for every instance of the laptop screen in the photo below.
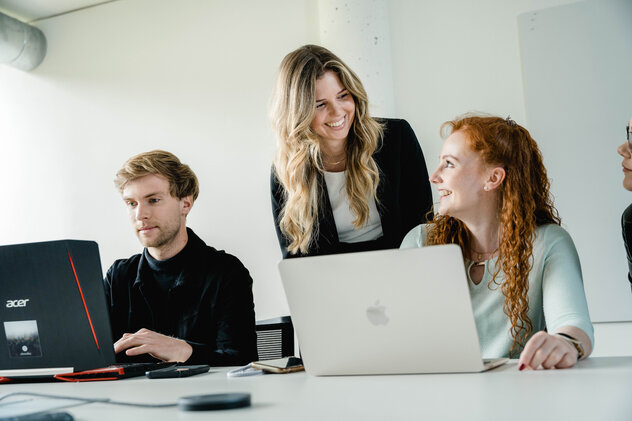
(52, 309)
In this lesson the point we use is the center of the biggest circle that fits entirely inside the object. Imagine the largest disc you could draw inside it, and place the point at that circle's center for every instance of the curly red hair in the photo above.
(525, 203)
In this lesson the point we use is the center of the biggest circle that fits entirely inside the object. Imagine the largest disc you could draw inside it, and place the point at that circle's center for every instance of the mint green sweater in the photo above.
(556, 290)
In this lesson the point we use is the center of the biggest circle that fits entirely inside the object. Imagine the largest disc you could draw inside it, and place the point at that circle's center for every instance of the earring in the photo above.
(485, 188)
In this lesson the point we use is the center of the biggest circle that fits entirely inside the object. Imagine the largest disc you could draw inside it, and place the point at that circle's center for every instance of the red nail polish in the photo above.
(521, 367)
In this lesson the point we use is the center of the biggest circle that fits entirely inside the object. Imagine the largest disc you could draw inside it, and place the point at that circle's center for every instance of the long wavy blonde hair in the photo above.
(298, 164)
(524, 204)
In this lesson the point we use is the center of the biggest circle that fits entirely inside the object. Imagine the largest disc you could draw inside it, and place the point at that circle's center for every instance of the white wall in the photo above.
(576, 67)
(359, 32)
(612, 339)
(195, 77)
(457, 56)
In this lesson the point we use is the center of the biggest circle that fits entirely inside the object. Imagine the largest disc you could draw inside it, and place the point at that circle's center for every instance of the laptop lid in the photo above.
(383, 312)
(53, 311)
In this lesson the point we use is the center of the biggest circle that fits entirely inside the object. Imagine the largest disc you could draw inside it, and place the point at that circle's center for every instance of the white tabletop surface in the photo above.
(597, 389)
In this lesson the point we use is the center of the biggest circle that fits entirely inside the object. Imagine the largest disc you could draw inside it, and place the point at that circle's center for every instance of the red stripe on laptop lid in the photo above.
(84, 301)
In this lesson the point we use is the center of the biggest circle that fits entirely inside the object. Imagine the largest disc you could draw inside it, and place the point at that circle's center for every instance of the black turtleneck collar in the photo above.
(166, 272)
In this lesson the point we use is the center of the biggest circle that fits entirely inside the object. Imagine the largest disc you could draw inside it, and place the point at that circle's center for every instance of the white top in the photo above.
(347, 233)
(556, 290)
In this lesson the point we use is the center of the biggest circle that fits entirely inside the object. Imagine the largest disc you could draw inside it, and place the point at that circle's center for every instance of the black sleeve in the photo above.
(236, 340)
(626, 227)
(415, 188)
(107, 286)
(117, 315)
(276, 194)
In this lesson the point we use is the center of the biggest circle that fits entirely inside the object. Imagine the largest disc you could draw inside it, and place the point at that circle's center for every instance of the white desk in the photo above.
(597, 389)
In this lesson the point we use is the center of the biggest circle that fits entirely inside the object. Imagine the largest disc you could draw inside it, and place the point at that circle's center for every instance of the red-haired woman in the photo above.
(522, 266)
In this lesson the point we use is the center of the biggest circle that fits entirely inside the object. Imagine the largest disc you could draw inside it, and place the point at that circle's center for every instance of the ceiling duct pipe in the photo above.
(21, 45)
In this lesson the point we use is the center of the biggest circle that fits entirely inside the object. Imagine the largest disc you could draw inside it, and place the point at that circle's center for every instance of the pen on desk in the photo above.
(244, 371)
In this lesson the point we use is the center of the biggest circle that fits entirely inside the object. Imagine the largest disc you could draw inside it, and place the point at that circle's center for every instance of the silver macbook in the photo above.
(384, 312)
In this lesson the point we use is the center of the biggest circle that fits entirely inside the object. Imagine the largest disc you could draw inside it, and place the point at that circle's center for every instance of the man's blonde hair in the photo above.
(181, 178)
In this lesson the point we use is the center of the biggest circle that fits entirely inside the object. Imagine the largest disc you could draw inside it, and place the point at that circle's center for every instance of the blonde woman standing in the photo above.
(342, 181)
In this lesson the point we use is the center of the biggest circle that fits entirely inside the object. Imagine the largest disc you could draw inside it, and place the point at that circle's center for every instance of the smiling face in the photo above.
(335, 109)
(158, 218)
(626, 152)
(460, 178)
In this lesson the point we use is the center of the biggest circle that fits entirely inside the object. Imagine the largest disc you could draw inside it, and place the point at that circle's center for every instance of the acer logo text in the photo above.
(17, 303)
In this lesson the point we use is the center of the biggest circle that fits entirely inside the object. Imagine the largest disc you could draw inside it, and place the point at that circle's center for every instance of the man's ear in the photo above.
(186, 203)
(495, 178)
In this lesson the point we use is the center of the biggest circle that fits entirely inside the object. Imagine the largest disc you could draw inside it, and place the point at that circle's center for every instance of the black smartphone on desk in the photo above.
(177, 371)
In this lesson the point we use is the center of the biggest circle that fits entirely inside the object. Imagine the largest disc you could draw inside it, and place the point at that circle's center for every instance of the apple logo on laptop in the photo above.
(376, 314)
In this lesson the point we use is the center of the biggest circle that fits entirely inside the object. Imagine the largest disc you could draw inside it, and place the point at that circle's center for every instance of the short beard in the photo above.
(165, 238)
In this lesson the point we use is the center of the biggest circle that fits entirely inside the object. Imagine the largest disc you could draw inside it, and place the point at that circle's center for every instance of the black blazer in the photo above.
(404, 196)
(626, 228)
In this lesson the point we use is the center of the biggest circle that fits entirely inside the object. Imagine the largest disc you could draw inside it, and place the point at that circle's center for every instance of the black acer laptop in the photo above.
(54, 321)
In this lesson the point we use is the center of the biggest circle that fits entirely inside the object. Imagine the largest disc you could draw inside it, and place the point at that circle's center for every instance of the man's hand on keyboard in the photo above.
(145, 341)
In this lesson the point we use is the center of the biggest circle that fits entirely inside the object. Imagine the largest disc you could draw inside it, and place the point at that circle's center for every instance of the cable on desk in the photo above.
(87, 400)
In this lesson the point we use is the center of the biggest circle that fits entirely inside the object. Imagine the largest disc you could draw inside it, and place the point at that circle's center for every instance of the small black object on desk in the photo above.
(214, 402)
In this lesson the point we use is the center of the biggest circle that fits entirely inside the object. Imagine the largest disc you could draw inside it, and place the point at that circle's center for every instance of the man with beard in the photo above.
(178, 300)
